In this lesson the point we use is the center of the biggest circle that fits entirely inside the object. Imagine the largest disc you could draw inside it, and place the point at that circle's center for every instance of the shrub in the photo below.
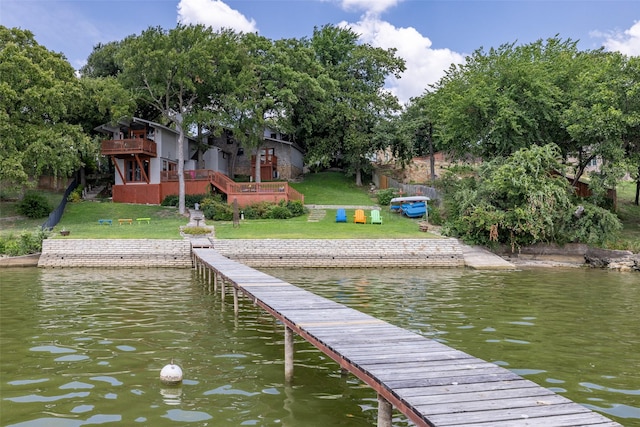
(296, 207)
(170, 200)
(34, 205)
(196, 230)
(385, 196)
(190, 200)
(76, 194)
(26, 243)
(279, 212)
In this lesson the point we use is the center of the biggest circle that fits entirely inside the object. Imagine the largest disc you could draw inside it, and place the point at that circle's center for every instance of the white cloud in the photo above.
(424, 65)
(368, 6)
(215, 14)
(627, 42)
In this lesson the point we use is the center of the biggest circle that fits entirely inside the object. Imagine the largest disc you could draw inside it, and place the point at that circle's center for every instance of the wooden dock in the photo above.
(429, 382)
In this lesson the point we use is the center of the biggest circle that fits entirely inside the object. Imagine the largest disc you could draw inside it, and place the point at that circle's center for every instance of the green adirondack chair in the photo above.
(375, 217)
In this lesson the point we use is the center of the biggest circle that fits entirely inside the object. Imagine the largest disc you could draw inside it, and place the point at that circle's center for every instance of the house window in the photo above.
(169, 166)
(266, 156)
(133, 172)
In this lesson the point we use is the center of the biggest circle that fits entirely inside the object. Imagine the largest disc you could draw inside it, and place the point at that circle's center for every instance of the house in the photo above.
(145, 159)
(280, 159)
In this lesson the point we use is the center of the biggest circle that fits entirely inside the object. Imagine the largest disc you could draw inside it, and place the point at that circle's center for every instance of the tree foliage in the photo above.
(176, 72)
(521, 200)
(355, 102)
(38, 92)
(545, 92)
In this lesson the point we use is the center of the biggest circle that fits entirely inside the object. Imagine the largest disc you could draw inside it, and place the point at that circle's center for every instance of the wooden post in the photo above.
(215, 282)
(235, 300)
(288, 355)
(385, 411)
(222, 290)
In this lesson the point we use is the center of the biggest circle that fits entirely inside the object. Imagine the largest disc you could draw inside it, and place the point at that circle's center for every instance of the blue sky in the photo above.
(429, 34)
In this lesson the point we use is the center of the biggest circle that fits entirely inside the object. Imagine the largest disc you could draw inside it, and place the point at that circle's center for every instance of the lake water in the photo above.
(85, 346)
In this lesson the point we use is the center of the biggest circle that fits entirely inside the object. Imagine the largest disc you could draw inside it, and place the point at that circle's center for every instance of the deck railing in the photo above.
(129, 146)
(230, 187)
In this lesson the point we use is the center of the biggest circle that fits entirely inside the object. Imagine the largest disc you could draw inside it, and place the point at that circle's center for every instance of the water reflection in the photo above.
(574, 331)
(85, 346)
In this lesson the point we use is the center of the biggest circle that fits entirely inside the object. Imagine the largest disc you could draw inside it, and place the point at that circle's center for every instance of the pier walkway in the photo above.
(429, 382)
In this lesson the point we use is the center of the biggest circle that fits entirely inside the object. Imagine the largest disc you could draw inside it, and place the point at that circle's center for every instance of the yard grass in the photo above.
(394, 226)
(629, 214)
(332, 188)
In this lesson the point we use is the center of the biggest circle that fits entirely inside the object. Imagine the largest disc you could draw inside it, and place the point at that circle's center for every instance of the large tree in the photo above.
(356, 101)
(176, 72)
(38, 89)
(545, 92)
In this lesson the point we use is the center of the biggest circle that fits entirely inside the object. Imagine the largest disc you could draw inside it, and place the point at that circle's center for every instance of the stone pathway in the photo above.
(315, 215)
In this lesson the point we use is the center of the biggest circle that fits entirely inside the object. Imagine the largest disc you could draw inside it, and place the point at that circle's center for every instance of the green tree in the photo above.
(37, 93)
(175, 71)
(521, 200)
(102, 61)
(356, 101)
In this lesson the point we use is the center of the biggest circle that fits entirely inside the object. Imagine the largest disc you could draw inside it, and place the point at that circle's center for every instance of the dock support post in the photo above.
(288, 355)
(215, 281)
(384, 412)
(222, 290)
(235, 300)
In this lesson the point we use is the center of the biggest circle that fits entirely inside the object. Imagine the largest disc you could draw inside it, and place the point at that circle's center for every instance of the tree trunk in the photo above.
(638, 188)
(181, 186)
(358, 177)
(432, 159)
(256, 171)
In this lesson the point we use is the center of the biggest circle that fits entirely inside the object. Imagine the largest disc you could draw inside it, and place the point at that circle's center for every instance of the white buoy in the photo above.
(171, 374)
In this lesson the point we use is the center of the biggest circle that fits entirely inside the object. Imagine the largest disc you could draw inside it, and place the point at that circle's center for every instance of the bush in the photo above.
(296, 207)
(34, 205)
(190, 200)
(24, 244)
(76, 195)
(279, 212)
(385, 196)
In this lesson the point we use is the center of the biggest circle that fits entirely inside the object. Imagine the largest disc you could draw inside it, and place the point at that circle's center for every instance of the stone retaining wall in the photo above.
(137, 253)
(116, 253)
(356, 253)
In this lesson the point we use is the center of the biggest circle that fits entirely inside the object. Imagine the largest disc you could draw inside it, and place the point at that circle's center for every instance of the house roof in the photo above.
(107, 128)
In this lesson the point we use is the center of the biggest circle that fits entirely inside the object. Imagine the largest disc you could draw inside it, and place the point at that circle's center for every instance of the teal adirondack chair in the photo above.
(375, 217)
(341, 215)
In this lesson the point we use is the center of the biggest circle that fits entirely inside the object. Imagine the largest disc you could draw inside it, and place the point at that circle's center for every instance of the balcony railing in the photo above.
(115, 147)
(230, 187)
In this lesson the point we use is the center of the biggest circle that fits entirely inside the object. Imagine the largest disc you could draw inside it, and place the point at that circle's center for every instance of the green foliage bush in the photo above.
(385, 196)
(76, 195)
(34, 205)
(27, 242)
(279, 212)
(190, 200)
(520, 201)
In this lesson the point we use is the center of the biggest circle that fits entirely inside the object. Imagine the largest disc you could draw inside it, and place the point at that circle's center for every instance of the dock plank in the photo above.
(428, 381)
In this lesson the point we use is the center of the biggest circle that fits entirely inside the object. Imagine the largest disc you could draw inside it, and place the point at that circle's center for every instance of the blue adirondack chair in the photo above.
(341, 215)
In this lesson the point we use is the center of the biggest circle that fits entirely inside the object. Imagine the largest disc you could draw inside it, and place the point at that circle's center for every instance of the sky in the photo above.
(429, 35)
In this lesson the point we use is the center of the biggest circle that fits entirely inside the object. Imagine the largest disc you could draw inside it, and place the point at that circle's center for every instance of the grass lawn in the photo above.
(333, 188)
(629, 214)
(393, 226)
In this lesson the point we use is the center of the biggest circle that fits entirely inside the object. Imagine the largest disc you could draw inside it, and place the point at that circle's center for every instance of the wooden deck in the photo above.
(429, 382)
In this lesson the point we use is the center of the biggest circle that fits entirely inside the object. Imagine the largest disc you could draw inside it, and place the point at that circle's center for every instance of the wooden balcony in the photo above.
(126, 147)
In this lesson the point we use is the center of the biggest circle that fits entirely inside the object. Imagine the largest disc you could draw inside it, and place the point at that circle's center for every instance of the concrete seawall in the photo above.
(116, 253)
(262, 253)
(360, 253)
